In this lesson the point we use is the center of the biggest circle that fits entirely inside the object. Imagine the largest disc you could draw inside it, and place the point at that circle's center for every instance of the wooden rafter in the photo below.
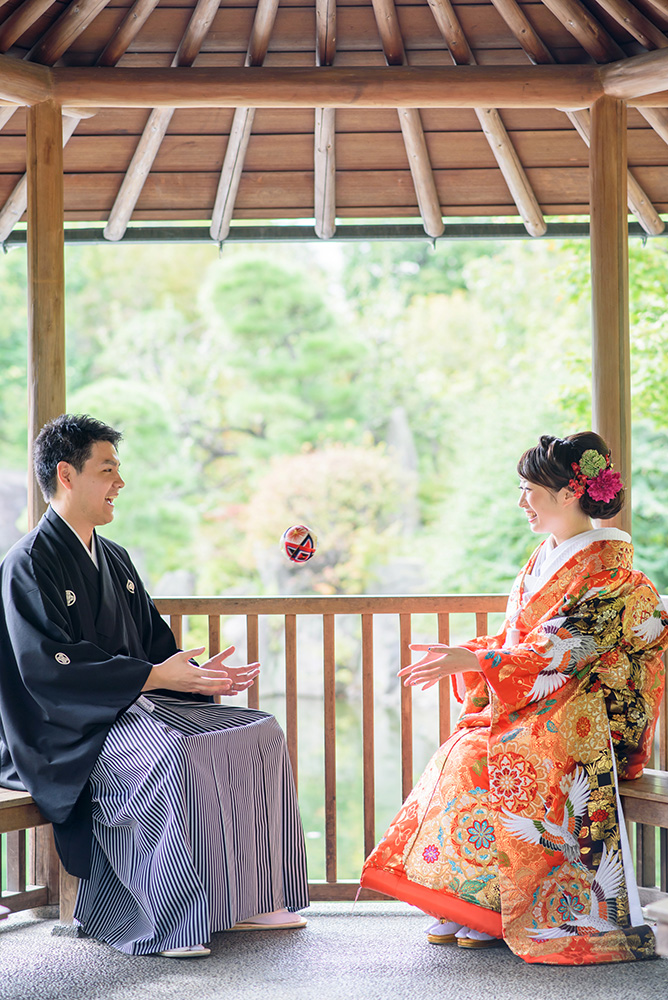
(492, 126)
(65, 30)
(22, 19)
(596, 41)
(660, 6)
(411, 124)
(16, 204)
(524, 32)
(157, 125)
(242, 126)
(126, 32)
(584, 27)
(635, 22)
(324, 135)
(637, 199)
(325, 31)
(538, 53)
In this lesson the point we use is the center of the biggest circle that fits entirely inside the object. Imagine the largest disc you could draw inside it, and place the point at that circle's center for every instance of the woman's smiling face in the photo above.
(543, 507)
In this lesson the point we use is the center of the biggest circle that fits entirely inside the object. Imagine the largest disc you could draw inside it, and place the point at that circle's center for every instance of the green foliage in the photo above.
(381, 393)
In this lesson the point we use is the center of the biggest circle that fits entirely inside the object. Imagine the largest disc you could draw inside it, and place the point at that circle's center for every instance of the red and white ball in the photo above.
(299, 543)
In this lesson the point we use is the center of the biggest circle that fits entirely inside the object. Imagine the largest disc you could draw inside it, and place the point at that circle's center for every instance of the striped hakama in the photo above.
(195, 825)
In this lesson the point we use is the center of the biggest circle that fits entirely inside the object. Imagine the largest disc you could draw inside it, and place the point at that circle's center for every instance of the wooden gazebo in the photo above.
(224, 110)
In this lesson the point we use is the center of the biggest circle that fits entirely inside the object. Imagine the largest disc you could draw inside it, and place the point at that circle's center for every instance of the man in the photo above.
(178, 814)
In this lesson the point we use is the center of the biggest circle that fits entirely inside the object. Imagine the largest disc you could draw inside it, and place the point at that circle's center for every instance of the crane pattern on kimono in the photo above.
(563, 838)
(602, 914)
(562, 663)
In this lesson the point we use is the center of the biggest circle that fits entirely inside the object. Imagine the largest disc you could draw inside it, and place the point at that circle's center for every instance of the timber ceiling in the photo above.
(220, 164)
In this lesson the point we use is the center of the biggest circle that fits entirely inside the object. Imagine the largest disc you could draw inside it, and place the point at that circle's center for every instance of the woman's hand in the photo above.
(178, 674)
(440, 661)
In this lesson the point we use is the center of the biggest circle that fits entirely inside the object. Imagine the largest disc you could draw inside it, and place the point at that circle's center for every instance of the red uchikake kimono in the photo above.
(516, 828)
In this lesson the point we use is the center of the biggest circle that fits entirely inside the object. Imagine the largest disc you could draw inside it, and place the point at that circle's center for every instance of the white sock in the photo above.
(443, 927)
(480, 936)
(463, 932)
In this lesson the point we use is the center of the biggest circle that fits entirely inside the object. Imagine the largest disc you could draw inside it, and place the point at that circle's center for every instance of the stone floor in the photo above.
(375, 951)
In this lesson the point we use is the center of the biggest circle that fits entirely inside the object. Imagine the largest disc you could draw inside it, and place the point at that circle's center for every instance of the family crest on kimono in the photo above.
(178, 814)
(515, 830)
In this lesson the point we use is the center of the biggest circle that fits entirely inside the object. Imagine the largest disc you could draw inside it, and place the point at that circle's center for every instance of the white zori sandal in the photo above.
(190, 951)
(277, 921)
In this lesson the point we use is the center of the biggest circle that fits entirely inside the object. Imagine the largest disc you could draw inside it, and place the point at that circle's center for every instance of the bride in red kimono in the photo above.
(515, 830)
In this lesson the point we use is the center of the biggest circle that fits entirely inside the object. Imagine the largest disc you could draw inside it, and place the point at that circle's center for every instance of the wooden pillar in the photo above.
(611, 385)
(46, 338)
(46, 279)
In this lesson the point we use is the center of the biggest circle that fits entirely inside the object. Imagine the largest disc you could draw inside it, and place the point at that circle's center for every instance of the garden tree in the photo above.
(404, 269)
(516, 335)
(479, 347)
(295, 374)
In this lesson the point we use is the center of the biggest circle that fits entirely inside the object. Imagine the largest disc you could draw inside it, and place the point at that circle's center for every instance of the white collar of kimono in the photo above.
(92, 551)
(552, 557)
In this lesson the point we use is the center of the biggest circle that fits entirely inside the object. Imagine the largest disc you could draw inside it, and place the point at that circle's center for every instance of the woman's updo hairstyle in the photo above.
(550, 464)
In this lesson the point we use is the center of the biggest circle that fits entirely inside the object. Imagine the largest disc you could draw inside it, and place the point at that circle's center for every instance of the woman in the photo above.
(515, 829)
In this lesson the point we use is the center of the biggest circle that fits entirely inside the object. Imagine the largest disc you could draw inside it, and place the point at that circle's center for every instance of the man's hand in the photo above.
(440, 661)
(213, 677)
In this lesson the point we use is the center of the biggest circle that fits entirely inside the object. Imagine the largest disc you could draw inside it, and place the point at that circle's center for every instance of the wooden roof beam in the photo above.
(156, 126)
(635, 22)
(328, 86)
(24, 84)
(492, 126)
(22, 19)
(638, 201)
(130, 26)
(15, 206)
(325, 32)
(127, 31)
(65, 30)
(324, 178)
(591, 35)
(242, 126)
(524, 32)
(71, 23)
(415, 143)
(636, 77)
(597, 42)
(538, 53)
(324, 133)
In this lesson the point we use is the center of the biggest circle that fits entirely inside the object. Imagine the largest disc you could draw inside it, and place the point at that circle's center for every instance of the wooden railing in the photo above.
(193, 618)
(328, 609)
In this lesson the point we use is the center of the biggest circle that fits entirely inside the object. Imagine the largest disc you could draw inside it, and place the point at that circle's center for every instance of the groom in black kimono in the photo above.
(79, 637)
(80, 642)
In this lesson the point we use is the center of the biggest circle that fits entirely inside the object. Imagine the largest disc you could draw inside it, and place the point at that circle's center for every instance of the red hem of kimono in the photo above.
(436, 903)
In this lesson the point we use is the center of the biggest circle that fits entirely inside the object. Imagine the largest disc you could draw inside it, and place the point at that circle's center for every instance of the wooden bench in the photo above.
(645, 803)
(18, 813)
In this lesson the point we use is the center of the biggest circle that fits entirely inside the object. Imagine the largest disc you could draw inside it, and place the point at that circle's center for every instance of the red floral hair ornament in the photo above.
(594, 475)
